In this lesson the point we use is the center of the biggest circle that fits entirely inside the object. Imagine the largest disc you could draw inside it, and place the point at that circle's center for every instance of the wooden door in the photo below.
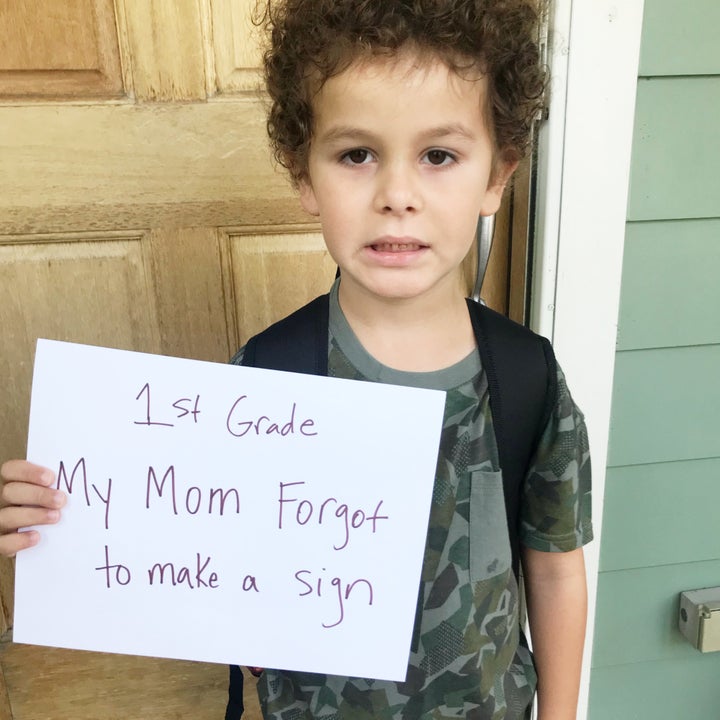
(139, 209)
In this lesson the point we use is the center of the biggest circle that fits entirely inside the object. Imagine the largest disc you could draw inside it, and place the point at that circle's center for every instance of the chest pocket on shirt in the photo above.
(490, 553)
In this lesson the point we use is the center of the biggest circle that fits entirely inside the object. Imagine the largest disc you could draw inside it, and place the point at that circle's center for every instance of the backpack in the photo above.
(522, 383)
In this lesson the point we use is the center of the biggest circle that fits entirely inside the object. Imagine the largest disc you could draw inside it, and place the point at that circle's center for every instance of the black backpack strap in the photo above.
(235, 707)
(522, 383)
(297, 343)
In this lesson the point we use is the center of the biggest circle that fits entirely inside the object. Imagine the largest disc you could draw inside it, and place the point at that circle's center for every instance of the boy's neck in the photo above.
(414, 335)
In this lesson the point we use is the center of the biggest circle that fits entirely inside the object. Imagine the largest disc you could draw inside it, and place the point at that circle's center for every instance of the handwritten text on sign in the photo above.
(227, 514)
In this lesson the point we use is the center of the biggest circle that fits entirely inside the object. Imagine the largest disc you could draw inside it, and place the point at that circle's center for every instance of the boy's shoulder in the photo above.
(297, 343)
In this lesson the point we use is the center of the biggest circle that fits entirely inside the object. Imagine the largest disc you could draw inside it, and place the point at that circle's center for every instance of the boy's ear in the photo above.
(307, 197)
(496, 187)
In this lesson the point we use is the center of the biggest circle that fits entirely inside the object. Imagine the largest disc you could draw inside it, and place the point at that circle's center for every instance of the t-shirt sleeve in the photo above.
(555, 513)
(237, 358)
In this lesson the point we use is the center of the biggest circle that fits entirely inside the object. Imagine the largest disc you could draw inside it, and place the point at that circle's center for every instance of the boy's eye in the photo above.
(357, 156)
(439, 157)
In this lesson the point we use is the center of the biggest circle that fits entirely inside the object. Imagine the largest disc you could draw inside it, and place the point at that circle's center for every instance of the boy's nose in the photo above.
(397, 190)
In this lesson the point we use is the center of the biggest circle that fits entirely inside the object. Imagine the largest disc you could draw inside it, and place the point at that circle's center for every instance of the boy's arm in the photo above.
(557, 612)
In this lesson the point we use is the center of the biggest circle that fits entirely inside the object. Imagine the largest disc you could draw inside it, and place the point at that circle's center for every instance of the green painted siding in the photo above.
(661, 532)
(661, 527)
(666, 405)
(676, 149)
(664, 690)
(671, 284)
(680, 38)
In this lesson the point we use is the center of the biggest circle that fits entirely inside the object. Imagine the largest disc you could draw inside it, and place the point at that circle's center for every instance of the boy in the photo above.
(400, 123)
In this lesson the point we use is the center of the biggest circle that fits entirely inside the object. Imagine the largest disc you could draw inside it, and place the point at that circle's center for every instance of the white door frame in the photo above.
(584, 167)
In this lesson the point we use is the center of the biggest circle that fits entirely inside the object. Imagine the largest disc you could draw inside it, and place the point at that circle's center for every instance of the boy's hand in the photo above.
(26, 499)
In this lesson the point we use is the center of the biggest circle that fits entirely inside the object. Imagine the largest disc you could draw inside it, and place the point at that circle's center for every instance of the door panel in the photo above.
(139, 209)
(275, 273)
(165, 44)
(52, 684)
(59, 50)
(235, 50)
(106, 165)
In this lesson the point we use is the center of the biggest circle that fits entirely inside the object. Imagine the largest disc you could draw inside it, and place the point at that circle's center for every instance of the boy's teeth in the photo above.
(396, 247)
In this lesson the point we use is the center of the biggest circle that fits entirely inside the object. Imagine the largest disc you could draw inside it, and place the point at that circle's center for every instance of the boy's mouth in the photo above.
(397, 245)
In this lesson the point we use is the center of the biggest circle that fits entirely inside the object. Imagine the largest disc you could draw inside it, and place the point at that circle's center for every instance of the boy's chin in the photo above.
(398, 288)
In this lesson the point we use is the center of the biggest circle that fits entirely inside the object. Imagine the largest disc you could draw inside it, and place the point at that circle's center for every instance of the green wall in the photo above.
(661, 527)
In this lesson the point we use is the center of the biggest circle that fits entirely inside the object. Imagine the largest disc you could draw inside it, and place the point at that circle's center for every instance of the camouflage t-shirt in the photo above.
(468, 657)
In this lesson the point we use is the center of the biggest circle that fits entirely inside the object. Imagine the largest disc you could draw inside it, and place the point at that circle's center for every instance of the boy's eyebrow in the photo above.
(446, 130)
(356, 134)
(345, 132)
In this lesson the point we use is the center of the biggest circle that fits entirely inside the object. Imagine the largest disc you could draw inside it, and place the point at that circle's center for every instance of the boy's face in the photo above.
(400, 168)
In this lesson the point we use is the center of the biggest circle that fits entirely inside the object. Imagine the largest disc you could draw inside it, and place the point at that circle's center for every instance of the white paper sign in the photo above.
(228, 514)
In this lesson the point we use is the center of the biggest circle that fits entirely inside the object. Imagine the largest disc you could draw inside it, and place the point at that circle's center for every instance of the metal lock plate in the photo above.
(709, 628)
(699, 618)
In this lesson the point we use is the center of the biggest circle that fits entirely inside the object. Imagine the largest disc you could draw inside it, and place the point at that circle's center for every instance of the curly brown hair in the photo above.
(309, 41)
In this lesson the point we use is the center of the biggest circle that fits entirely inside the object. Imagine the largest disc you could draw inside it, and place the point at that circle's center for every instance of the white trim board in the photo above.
(584, 167)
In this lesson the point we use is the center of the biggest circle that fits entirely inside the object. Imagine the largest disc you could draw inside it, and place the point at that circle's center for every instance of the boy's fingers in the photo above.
(27, 498)
(24, 493)
(10, 545)
(27, 472)
(13, 518)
